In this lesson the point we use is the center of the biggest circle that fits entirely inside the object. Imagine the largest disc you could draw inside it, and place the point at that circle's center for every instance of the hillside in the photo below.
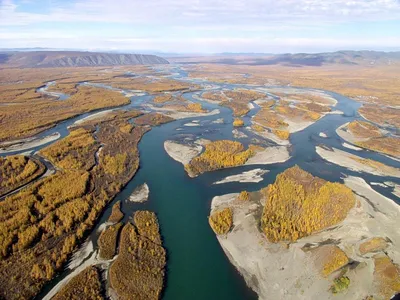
(75, 59)
(298, 59)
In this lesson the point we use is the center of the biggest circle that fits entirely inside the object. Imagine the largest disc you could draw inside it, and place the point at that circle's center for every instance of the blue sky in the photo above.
(206, 26)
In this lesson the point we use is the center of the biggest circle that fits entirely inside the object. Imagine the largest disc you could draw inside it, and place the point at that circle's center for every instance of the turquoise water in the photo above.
(197, 267)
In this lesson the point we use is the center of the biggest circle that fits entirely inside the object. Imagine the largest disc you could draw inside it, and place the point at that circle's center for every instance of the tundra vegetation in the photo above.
(41, 225)
(138, 272)
(85, 285)
(386, 276)
(375, 244)
(219, 155)
(298, 204)
(18, 170)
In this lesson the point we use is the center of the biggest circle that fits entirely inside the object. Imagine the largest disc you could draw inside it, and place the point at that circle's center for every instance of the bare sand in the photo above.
(92, 117)
(182, 153)
(248, 176)
(323, 135)
(140, 194)
(25, 144)
(349, 161)
(352, 147)
(270, 155)
(288, 271)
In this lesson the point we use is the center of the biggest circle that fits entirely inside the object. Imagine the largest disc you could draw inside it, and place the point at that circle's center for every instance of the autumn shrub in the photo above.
(85, 285)
(238, 123)
(373, 245)
(195, 107)
(218, 155)
(258, 128)
(163, 98)
(340, 284)
(362, 129)
(116, 213)
(108, 241)
(138, 272)
(18, 170)
(386, 276)
(114, 165)
(386, 145)
(244, 196)
(282, 134)
(298, 204)
(221, 221)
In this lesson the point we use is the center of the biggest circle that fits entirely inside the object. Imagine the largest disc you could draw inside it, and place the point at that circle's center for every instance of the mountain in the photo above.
(299, 59)
(46, 59)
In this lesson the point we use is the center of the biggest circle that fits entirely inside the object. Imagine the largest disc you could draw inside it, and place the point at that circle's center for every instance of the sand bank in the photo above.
(25, 144)
(182, 153)
(248, 176)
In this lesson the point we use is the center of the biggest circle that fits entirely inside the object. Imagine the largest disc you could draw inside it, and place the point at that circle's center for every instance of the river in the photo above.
(197, 267)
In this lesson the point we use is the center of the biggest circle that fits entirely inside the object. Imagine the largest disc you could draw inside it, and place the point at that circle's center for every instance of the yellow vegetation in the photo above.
(152, 119)
(163, 98)
(221, 221)
(114, 165)
(238, 123)
(373, 245)
(85, 285)
(116, 213)
(138, 271)
(218, 155)
(244, 196)
(18, 170)
(282, 134)
(76, 151)
(361, 129)
(386, 276)
(298, 204)
(386, 145)
(108, 241)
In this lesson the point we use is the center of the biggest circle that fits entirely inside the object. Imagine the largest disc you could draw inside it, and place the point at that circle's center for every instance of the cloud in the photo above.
(174, 12)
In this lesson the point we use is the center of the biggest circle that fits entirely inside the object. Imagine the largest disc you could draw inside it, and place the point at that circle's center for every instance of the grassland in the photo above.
(218, 155)
(16, 171)
(298, 204)
(138, 272)
(86, 285)
(41, 225)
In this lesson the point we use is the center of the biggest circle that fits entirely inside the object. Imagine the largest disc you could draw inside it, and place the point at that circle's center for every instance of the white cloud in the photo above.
(175, 12)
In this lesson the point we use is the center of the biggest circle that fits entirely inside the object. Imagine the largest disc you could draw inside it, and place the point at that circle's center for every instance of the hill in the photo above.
(46, 59)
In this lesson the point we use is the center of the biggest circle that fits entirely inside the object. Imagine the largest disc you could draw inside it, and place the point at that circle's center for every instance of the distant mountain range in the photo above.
(298, 59)
(43, 59)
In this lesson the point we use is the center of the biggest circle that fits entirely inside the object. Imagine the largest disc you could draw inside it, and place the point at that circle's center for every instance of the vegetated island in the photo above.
(368, 136)
(356, 163)
(223, 154)
(303, 236)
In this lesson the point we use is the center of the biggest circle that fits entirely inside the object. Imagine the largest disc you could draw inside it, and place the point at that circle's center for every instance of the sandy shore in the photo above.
(349, 161)
(269, 136)
(348, 136)
(248, 176)
(270, 155)
(237, 134)
(182, 153)
(277, 271)
(182, 114)
(94, 116)
(25, 144)
(140, 194)
(352, 147)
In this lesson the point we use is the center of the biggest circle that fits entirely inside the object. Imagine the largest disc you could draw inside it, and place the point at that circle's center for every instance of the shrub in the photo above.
(340, 284)
(244, 196)
(238, 123)
(221, 221)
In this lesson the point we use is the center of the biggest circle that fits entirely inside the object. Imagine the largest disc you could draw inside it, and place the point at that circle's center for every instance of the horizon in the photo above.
(209, 27)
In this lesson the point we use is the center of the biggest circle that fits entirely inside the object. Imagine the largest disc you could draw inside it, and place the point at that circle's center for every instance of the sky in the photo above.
(202, 26)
